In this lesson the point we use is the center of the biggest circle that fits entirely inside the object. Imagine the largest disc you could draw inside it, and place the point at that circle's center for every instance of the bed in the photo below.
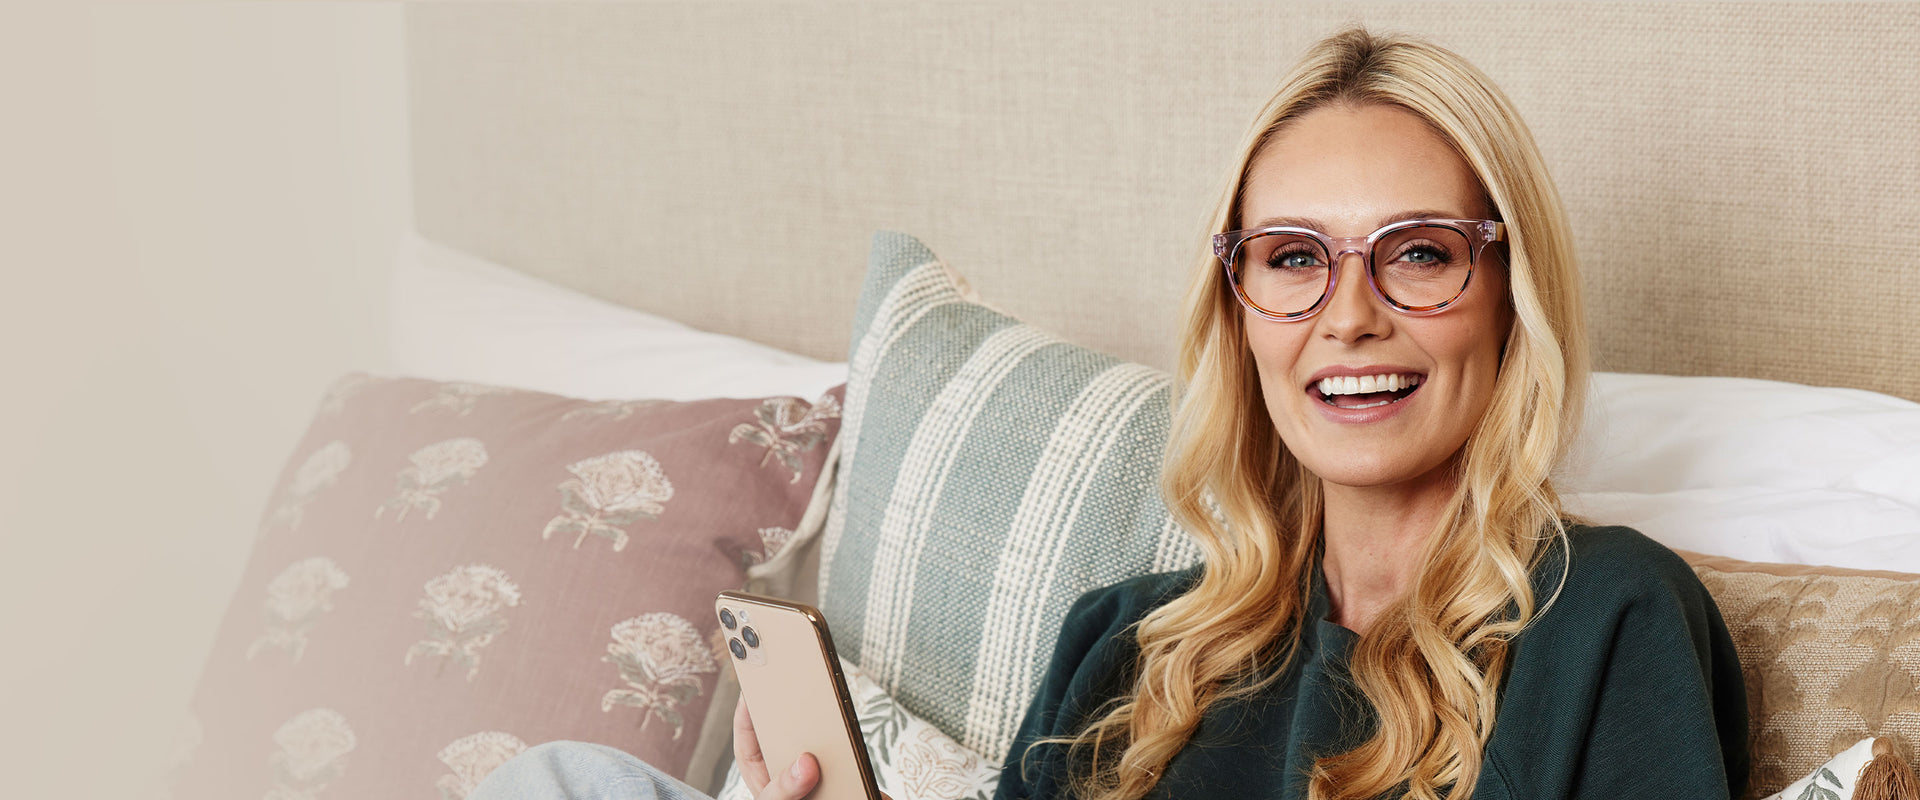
(626, 211)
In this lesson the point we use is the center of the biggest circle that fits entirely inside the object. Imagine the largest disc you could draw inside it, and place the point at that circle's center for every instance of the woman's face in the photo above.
(1346, 172)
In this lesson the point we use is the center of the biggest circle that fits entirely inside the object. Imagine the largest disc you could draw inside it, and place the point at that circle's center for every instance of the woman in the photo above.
(1375, 390)
(1387, 605)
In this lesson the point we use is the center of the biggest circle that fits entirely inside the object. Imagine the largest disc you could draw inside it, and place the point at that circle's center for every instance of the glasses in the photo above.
(1418, 267)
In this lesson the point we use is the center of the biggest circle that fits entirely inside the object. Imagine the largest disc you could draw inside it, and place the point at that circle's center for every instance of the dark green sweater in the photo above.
(1628, 686)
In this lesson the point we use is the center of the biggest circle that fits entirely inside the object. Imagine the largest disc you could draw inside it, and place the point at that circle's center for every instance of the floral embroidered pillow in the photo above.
(448, 573)
(912, 759)
(1851, 775)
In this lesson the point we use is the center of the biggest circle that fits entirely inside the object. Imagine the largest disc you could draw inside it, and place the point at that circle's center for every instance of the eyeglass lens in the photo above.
(1421, 266)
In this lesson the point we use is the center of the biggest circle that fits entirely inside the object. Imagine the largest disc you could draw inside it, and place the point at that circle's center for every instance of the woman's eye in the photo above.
(1424, 256)
(1294, 260)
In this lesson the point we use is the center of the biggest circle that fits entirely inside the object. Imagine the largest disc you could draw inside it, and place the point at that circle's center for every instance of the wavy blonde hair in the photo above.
(1430, 666)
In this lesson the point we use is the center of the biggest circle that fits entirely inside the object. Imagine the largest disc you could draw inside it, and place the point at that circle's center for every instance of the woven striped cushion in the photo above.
(990, 473)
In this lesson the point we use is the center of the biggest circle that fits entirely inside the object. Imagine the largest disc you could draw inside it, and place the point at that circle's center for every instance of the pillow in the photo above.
(990, 474)
(1757, 470)
(1830, 656)
(457, 317)
(449, 572)
(1846, 776)
(912, 760)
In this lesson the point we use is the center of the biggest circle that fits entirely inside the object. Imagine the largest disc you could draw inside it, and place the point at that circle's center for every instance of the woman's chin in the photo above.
(1382, 471)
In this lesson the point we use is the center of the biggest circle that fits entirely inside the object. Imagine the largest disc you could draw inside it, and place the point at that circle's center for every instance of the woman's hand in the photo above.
(795, 781)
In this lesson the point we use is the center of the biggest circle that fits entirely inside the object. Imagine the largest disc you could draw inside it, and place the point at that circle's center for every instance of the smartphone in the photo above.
(792, 683)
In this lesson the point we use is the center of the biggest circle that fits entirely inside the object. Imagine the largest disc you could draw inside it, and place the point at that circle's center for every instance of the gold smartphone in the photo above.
(795, 692)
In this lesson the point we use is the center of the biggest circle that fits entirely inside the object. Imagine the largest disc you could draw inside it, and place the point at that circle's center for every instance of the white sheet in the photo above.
(456, 317)
(1757, 470)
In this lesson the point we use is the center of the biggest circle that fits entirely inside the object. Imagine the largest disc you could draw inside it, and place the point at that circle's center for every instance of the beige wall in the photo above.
(1727, 167)
(198, 203)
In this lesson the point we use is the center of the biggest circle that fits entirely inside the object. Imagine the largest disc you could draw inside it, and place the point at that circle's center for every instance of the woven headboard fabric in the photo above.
(1744, 179)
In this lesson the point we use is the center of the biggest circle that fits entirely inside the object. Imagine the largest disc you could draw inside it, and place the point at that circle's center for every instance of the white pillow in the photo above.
(457, 317)
(1834, 780)
(1756, 470)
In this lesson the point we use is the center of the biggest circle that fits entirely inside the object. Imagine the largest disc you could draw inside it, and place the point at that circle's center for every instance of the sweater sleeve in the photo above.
(1629, 686)
(1092, 662)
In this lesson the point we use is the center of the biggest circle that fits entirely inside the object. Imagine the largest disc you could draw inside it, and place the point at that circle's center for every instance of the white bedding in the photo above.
(456, 317)
(1757, 470)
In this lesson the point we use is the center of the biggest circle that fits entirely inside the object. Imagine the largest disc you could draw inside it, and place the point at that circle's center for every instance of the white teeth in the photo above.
(1367, 384)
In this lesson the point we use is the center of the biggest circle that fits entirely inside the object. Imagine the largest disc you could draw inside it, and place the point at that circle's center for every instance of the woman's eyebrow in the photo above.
(1424, 213)
(1314, 224)
(1291, 222)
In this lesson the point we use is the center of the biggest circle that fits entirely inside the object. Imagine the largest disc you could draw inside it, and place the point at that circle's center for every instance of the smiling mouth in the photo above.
(1366, 391)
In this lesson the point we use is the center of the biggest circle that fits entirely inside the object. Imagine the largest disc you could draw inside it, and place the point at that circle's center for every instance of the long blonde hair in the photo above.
(1430, 666)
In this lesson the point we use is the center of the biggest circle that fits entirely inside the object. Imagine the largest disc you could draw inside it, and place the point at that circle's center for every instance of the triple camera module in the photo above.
(748, 638)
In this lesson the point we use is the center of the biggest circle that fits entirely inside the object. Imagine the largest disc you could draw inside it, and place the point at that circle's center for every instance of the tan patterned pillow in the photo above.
(448, 573)
(1865, 771)
(1831, 656)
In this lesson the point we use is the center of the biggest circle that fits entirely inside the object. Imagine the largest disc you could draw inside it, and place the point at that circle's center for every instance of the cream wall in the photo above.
(198, 203)
(1728, 168)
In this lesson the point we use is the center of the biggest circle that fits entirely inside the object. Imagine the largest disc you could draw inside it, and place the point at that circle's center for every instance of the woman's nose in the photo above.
(1353, 313)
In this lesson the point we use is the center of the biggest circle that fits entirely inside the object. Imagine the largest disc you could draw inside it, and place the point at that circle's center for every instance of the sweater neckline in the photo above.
(1327, 633)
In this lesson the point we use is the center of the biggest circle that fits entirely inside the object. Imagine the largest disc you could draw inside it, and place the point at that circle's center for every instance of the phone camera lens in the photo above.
(726, 618)
(752, 637)
(739, 650)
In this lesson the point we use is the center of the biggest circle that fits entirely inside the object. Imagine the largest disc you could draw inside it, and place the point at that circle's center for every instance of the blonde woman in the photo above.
(1383, 360)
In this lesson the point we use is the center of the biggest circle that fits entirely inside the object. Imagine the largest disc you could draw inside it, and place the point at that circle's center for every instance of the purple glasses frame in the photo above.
(1479, 233)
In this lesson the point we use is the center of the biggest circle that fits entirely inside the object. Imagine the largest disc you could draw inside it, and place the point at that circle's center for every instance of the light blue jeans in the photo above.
(578, 770)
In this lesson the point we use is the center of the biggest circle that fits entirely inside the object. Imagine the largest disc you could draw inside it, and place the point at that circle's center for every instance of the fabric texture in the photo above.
(564, 770)
(990, 473)
(911, 759)
(448, 572)
(1626, 686)
(1831, 656)
(1834, 780)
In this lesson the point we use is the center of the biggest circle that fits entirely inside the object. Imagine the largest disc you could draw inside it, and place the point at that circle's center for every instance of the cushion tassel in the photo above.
(1886, 777)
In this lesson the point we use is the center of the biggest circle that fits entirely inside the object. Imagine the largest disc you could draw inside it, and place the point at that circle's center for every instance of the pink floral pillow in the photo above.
(449, 573)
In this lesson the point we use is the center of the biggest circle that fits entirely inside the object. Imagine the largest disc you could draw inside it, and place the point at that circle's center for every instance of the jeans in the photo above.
(570, 770)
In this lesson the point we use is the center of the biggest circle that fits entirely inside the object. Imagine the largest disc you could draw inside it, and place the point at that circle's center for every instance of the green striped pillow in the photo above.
(990, 473)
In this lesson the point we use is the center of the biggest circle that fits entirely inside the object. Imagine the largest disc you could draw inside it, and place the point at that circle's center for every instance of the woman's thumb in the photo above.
(800, 777)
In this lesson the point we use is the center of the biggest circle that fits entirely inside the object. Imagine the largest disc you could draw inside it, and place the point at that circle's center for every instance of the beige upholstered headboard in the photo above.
(1744, 180)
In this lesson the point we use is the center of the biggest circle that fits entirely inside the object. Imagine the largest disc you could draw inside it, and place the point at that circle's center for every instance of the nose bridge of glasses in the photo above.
(1365, 284)
(1356, 245)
